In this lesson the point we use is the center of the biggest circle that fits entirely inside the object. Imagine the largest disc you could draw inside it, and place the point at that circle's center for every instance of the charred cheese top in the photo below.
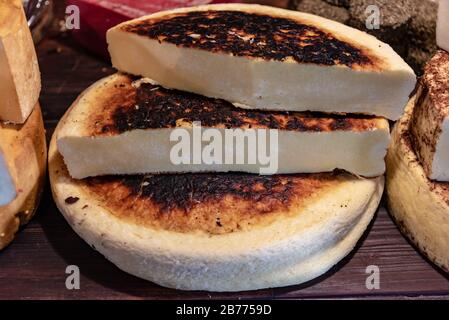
(255, 35)
(265, 58)
(127, 103)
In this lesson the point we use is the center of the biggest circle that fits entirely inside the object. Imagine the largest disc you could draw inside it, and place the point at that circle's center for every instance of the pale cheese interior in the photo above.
(148, 151)
(270, 85)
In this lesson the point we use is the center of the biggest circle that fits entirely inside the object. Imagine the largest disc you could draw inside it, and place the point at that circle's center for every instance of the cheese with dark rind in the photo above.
(191, 231)
(429, 124)
(260, 57)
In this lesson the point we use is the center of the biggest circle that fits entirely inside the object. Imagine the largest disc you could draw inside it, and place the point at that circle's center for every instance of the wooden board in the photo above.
(34, 266)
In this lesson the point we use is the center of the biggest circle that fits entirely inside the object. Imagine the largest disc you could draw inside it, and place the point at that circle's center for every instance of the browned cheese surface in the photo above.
(122, 106)
(254, 35)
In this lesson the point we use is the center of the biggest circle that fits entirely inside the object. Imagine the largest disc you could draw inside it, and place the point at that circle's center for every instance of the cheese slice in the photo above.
(261, 57)
(419, 206)
(430, 120)
(121, 125)
(22, 172)
(20, 82)
(443, 25)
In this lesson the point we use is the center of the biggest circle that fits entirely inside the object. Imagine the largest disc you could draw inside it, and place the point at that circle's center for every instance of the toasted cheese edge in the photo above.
(164, 58)
(341, 31)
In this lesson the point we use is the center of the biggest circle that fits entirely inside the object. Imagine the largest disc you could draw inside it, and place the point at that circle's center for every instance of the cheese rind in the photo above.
(429, 127)
(375, 80)
(23, 150)
(19, 69)
(111, 130)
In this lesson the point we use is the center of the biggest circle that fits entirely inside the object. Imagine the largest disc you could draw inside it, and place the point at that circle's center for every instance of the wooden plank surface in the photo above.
(33, 267)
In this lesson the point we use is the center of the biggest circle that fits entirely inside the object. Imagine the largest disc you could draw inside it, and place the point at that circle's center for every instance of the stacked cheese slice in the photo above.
(22, 137)
(418, 164)
(327, 91)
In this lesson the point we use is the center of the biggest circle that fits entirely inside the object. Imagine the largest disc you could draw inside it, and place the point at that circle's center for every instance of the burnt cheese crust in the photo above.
(253, 35)
(129, 104)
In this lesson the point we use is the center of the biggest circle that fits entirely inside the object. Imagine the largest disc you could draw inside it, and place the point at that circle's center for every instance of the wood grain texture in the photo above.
(33, 267)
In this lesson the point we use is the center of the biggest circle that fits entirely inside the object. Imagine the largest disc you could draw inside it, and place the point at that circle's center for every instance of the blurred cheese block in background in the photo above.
(430, 119)
(20, 82)
(443, 25)
(97, 16)
(23, 160)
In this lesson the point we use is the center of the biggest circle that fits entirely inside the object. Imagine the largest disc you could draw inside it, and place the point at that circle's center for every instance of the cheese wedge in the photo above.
(429, 126)
(121, 125)
(20, 82)
(443, 25)
(419, 206)
(23, 161)
(262, 57)
(220, 231)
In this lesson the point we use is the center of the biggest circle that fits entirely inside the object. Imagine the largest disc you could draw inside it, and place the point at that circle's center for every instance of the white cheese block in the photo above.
(118, 126)
(261, 57)
(20, 82)
(419, 206)
(429, 126)
(22, 172)
(443, 25)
